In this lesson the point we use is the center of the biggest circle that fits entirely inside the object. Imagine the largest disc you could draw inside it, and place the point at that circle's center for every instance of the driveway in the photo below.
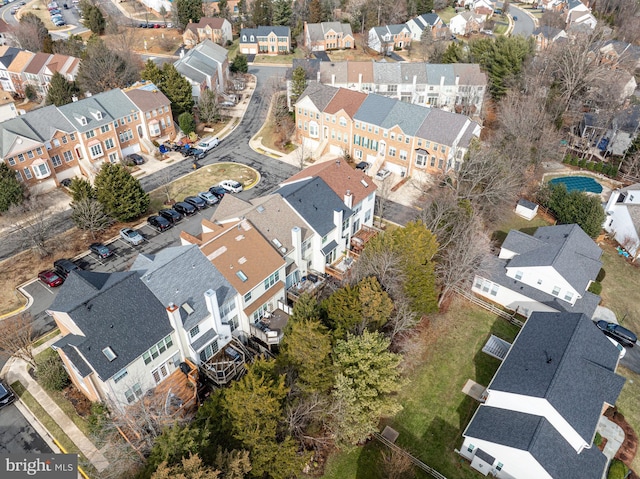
(396, 57)
(322, 56)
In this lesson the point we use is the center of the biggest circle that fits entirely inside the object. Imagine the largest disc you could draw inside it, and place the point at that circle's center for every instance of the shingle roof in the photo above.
(20, 61)
(347, 100)
(263, 31)
(37, 62)
(8, 56)
(318, 30)
(536, 435)
(567, 248)
(215, 23)
(311, 67)
(46, 121)
(444, 127)
(565, 359)
(374, 109)
(113, 310)
(425, 19)
(112, 104)
(181, 275)
(319, 94)
(315, 202)
(147, 96)
(546, 31)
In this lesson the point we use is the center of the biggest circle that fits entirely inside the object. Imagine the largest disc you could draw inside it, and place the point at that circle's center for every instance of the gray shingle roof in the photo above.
(407, 116)
(315, 202)
(444, 127)
(46, 121)
(426, 19)
(441, 72)
(113, 310)
(565, 359)
(68, 345)
(181, 275)
(527, 204)
(319, 94)
(263, 31)
(8, 56)
(112, 104)
(374, 109)
(567, 248)
(535, 434)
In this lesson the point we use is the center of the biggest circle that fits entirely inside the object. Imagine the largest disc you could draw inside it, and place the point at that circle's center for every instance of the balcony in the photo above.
(227, 364)
(361, 238)
(311, 284)
(270, 328)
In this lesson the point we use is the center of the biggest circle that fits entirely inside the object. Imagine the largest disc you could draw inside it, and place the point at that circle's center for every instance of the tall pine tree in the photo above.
(61, 91)
(120, 193)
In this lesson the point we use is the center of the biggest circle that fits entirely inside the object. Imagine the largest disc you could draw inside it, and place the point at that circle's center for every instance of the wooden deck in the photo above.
(361, 238)
(179, 390)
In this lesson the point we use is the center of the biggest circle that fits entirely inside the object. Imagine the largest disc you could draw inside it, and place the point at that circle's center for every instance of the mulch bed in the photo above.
(629, 447)
(80, 403)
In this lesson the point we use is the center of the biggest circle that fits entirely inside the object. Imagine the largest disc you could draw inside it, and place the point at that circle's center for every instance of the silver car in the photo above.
(131, 236)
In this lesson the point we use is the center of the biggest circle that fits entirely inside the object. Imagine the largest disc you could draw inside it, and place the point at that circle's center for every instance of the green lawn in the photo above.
(514, 222)
(280, 59)
(435, 409)
(447, 14)
(43, 339)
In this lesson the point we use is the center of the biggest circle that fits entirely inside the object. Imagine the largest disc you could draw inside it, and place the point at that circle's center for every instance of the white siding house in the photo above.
(623, 218)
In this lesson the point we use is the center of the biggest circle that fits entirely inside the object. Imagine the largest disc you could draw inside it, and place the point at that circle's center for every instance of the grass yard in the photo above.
(447, 14)
(515, 222)
(628, 405)
(280, 59)
(46, 337)
(201, 180)
(435, 409)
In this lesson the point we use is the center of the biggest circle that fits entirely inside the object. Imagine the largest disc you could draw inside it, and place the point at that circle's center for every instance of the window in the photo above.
(194, 331)
(109, 143)
(421, 160)
(568, 296)
(115, 124)
(343, 121)
(55, 159)
(27, 173)
(56, 142)
(113, 157)
(243, 277)
(403, 155)
(399, 137)
(96, 151)
(392, 88)
(105, 128)
(392, 151)
(89, 134)
(30, 154)
(135, 115)
(499, 466)
(367, 216)
(494, 290)
(65, 140)
(556, 290)
(72, 136)
(126, 135)
(470, 448)
(128, 118)
(133, 392)
(247, 297)
(209, 351)
(147, 357)
(41, 171)
(109, 354)
(148, 115)
(120, 376)
(433, 161)
(442, 148)
(407, 139)
(21, 157)
(12, 161)
(155, 351)
(519, 275)
(271, 280)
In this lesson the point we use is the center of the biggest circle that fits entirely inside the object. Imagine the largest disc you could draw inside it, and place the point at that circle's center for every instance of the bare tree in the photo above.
(397, 465)
(169, 187)
(89, 214)
(402, 320)
(382, 198)
(33, 224)
(301, 413)
(16, 338)
(301, 155)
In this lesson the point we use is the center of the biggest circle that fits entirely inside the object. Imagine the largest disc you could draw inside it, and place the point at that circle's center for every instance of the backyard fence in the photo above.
(488, 306)
(414, 460)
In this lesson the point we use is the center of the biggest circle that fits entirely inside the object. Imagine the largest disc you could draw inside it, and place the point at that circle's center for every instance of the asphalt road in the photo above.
(524, 25)
(16, 434)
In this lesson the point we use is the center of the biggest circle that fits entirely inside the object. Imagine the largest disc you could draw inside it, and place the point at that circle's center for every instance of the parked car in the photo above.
(364, 166)
(382, 174)
(170, 215)
(218, 191)
(209, 198)
(227, 104)
(101, 250)
(159, 223)
(134, 159)
(131, 236)
(64, 266)
(209, 144)
(515, 19)
(185, 209)
(6, 395)
(197, 153)
(14, 10)
(622, 335)
(232, 186)
(50, 278)
(196, 201)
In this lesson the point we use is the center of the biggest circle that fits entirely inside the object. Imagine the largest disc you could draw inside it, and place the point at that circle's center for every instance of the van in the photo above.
(208, 144)
(622, 335)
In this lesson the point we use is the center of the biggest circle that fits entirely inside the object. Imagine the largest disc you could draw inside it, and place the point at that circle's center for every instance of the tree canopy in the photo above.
(104, 69)
(93, 18)
(170, 82)
(11, 191)
(298, 83)
(186, 11)
(120, 193)
(61, 91)
(239, 64)
(574, 207)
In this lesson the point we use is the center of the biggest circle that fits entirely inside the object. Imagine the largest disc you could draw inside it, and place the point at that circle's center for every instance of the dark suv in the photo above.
(196, 201)
(622, 335)
(185, 209)
(64, 266)
(6, 395)
(170, 215)
(159, 223)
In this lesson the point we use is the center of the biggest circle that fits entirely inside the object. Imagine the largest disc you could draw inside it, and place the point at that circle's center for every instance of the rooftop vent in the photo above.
(242, 260)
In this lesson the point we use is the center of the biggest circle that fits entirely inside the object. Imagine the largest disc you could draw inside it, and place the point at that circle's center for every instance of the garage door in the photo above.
(131, 149)
(335, 150)
(245, 50)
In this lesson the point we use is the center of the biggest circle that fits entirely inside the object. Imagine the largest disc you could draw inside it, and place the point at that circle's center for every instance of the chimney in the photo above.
(296, 241)
(211, 299)
(337, 219)
(348, 199)
(173, 311)
(333, 79)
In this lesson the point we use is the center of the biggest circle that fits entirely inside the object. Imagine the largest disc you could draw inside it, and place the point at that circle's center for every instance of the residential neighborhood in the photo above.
(285, 240)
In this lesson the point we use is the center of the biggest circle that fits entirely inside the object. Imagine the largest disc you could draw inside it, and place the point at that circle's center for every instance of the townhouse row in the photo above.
(51, 144)
(385, 132)
(19, 68)
(204, 304)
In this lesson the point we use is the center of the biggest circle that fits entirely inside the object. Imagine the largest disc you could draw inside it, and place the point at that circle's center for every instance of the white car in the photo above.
(209, 144)
(232, 186)
(382, 174)
(131, 236)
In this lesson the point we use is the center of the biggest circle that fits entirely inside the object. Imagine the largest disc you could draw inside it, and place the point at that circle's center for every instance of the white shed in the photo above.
(526, 209)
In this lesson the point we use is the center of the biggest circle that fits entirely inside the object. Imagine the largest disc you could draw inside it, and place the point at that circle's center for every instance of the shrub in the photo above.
(574, 161)
(617, 470)
(591, 165)
(98, 418)
(582, 163)
(187, 123)
(566, 159)
(51, 373)
(598, 168)
(597, 440)
(595, 288)
(601, 274)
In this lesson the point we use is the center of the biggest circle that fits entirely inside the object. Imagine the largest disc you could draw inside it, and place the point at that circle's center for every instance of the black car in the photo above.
(218, 191)
(185, 209)
(100, 250)
(196, 201)
(64, 266)
(622, 335)
(197, 153)
(6, 395)
(134, 159)
(159, 223)
(170, 215)
(66, 182)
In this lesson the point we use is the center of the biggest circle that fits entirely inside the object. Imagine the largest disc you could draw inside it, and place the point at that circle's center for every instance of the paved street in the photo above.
(525, 24)
(17, 435)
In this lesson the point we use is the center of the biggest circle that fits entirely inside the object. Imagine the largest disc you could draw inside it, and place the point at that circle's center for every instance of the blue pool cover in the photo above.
(580, 183)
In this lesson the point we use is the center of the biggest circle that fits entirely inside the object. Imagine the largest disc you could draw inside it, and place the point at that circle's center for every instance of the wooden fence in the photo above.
(428, 469)
(488, 306)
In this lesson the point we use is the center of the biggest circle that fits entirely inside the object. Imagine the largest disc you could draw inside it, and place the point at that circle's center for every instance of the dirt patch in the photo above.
(79, 401)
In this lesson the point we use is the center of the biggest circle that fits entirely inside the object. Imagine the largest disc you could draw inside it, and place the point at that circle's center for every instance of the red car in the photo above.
(50, 278)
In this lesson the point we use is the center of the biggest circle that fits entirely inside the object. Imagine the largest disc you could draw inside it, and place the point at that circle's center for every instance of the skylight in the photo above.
(187, 308)
(108, 352)
(242, 276)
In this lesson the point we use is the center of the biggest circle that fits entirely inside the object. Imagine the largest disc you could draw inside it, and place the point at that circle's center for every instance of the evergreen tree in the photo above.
(177, 89)
(344, 311)
(367, 375)
(454, 53)
(376, 303)
(315, 11)
(187, 11)
(151, 72)
(30, 92)
(190, 467)
(187, 123)
(282, 12)
(93, 18)
(223, 9)
(11, 191)
(261, 12)
(61, 91)
(574, 207)
(306, 307)
(120, 193)
(298, 83)
(239, 64)
(81, 189)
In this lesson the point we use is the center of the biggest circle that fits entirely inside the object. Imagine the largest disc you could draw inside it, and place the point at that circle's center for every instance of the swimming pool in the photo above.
(580, 183)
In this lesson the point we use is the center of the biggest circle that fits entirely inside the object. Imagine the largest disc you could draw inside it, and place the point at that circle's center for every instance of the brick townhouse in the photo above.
(48, 145)
(405, 138)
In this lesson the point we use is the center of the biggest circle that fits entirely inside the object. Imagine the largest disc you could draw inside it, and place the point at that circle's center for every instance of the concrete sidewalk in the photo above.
(16, 370)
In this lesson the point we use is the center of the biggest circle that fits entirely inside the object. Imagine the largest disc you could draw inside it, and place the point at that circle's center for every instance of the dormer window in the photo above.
(97, 115)
(82, 120)
(109, 354)
(252, 38)
(244, 38)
